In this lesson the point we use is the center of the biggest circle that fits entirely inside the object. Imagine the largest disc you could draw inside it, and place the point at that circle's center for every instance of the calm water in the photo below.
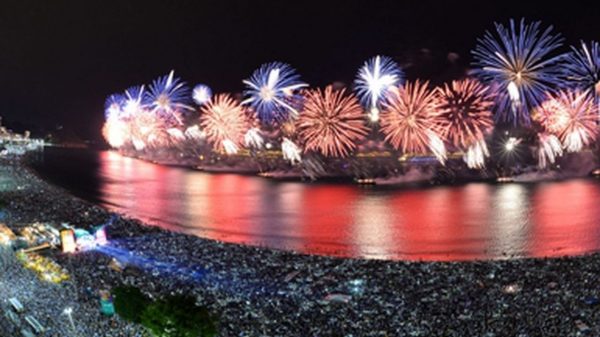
(472, 221)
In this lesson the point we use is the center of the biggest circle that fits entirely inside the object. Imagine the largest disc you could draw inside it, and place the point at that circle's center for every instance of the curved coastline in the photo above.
(260, 291)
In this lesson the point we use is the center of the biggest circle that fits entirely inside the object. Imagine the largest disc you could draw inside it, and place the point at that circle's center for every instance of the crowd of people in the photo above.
(47, 301)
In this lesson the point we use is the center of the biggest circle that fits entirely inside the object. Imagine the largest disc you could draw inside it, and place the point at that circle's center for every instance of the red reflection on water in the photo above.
(326, 219)
(474, 221)
(443, 224)
(565, 219)
(136, 185)
(226, 205)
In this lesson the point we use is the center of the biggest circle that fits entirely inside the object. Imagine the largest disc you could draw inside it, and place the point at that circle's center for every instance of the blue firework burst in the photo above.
(271, 90)
(521, 64)
(582, 67)
(113, 106)
(373, 81)
(201, 94)
(133, 100)
(168, 95)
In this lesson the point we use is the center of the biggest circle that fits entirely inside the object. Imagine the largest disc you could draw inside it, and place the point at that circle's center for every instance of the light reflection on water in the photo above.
(472, 221)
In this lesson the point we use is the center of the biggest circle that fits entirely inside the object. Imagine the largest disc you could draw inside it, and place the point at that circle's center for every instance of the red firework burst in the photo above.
(223, 119)
(552, 115)
(331, 123)
(149, 128)
(572, 116)
(410, 119)
(465, 112)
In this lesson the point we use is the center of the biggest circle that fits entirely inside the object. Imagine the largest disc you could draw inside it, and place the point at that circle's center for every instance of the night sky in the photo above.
(60, 59)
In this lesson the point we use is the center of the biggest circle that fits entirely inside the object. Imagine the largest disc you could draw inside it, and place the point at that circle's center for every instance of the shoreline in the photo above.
(394, 175)
(256, 291)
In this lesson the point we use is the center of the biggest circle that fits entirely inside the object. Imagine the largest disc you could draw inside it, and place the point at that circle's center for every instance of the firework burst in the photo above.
(224, 123)
(168, 95)
(465, 112)
(582, 67)
(133, 100)
(410, 120)
(201, 94)
(271, 90)
(519, 61)
(145, 124)
(572, 116)
(115, 132)
(152, 131)
(373, 81)
(148, 129)
(331, 122)
(113, 106)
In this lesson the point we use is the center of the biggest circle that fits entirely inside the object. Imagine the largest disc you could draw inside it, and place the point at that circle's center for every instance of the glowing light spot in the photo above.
(511, 143)
(513, 92)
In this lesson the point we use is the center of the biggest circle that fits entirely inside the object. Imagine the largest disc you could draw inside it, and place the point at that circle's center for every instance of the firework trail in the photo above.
(331, 122)
(230, 147)
(193, 132)
(138, 144)
(313, 168)
(253, 139)
(176, 135)
(475, 155)
(291, 151)
(549, 149)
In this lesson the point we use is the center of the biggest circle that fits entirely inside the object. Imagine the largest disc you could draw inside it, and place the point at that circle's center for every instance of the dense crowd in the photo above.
(255, 291)
(46, 302)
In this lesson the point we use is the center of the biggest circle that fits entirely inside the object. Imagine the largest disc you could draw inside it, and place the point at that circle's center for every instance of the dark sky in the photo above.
(60, 59)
